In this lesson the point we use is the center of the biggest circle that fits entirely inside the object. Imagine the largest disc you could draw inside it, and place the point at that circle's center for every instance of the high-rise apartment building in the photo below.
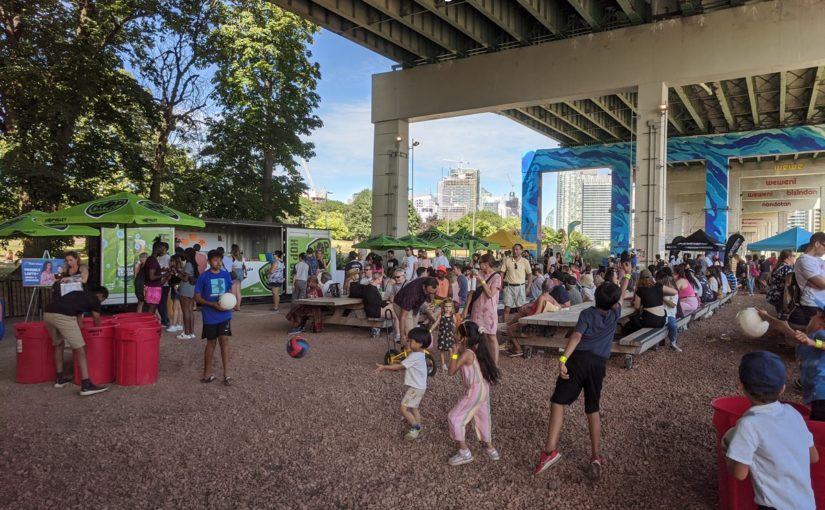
(571, 196)
(425, 206)
(458, 193)
(596, 211)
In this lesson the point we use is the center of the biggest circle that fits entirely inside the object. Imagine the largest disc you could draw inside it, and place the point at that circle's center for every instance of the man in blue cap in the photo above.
(771, 441)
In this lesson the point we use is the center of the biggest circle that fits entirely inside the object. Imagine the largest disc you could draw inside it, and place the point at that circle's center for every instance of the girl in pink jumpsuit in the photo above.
(478, 371)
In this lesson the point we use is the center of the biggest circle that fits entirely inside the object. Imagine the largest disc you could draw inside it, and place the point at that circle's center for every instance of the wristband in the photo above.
(563, 360)
(818, 344)
(627, 276)
(455, 356)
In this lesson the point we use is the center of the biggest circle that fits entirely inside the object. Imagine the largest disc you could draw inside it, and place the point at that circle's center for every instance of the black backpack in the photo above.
(335, 290)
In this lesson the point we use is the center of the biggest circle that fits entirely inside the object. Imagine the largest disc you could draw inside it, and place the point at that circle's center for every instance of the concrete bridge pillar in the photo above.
(390, 178)
(650, 169)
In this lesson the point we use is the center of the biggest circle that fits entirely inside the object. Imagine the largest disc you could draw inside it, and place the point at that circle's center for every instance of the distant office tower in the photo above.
(596, 210)
(569, 196)
(512, 206)
(458, 193)
(425, 206)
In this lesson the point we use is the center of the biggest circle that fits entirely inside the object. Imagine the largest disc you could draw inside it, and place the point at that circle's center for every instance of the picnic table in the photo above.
(339, 307)
(559, 325)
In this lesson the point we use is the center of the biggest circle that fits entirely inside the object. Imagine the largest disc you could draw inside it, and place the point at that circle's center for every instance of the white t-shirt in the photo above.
(302, 271)
(226, 262)
(416, 370)
(774, 442)
(808, 266)
(441, 260)
(408, 265)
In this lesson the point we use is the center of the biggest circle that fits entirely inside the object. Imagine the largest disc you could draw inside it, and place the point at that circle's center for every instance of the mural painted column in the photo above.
(651, 155)
(620, 216)
(716, 196)
(530, 201)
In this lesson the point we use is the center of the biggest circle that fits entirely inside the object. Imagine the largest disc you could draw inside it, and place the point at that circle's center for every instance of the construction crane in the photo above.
(313, 193)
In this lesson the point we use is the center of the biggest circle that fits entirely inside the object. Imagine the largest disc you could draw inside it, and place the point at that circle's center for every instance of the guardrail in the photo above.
(17, 297)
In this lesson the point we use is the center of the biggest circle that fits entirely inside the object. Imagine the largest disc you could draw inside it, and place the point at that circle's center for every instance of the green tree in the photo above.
(551, 237)
(414, 221)
(265, 82)
(335, 222)
(579, 243)
(359, 217)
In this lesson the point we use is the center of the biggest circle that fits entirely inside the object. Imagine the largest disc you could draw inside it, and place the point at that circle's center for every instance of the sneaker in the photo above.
(191, 337)
(92, 389)
(492, 453)
(674, 346)
(595, 469)
(462, 457)
(274, 309)
(546, 460)
(513, 354)
(413, 434)
(61, 381)
(171, 329)
(444, 367)
(183, 336)
(296, 329)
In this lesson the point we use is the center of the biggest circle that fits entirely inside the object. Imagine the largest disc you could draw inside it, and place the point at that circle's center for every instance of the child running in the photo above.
(478, 372)
(415, 379)
(582, 367)
(216, 321)
(771, 442)
(446, 331)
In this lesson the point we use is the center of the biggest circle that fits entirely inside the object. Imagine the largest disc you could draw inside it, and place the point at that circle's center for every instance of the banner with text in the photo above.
(112, 248)
(781, 194)
(781, 181)
(799, 204)
(40, 272)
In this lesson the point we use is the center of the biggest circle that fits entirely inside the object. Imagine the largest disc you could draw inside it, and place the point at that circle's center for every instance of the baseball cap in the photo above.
(762, 372)
(645, 273)
(441, 268)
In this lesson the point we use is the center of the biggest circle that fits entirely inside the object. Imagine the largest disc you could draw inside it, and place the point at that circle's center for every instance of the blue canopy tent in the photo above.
(790, 239)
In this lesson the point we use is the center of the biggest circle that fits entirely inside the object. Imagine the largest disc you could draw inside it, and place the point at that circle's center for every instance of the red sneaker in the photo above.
(546, 460)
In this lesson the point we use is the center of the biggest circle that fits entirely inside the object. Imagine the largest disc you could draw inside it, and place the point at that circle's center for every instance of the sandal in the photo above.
(207, 380)
(227, 381)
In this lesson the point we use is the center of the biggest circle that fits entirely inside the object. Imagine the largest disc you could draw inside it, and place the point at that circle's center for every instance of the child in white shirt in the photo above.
(415, 379)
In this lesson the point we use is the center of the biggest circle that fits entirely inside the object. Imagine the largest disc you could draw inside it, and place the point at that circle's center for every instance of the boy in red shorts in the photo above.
(582, 367)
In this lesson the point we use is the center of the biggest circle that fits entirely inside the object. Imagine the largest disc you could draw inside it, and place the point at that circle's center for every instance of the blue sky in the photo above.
(343, 163)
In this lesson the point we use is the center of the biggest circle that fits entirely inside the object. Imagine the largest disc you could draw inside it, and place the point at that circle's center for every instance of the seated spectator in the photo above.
(352, 276)
(536, 284)
(573, 289)
(394, 284)
(366, 275)
(687, 293)
(649, 301)
(559, 292)
(588, 288)
(374, 305)
(299, 315)
(326, 282)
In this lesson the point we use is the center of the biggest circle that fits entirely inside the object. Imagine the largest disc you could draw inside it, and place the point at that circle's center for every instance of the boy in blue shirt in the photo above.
(216, 321)
(582, 367)
(771, 442)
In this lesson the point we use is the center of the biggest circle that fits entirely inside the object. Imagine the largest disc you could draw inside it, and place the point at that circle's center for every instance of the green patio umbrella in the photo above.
(28, 225)
(415, 242)
(441, 240)
(379, 242)
(473, 242)
(126, 209)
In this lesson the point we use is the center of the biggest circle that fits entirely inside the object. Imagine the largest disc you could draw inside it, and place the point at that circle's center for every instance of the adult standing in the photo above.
(440, 260)
(200, 257)
(153, 277)
(809, 271)
(423, 260)
(319, 258)
(392, 262)
(776, 286)
(408, 263)
(188, 277)
(163, 307)
(408, 301)
(140, 281)
(276, 279)
(463, 286)
(517, 278)
(483, 304)
(299, 282)
(238, 274)
(312, 262)
(353, 263)
(63, 318)
(75, 275)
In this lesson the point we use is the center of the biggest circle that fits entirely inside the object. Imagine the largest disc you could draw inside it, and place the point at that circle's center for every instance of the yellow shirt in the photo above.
(516, 272)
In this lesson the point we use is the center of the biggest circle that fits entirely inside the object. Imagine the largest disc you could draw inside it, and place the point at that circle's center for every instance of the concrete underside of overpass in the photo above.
(584, 72)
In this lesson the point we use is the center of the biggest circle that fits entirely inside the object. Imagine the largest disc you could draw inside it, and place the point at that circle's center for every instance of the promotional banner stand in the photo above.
(36, 290)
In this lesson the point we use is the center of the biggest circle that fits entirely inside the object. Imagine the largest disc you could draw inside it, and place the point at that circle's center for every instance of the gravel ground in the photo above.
(324, 431)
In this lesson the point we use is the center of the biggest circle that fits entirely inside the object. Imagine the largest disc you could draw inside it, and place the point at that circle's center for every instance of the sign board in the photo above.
(780, 194)
(112, 248)
(789, 166)
(799, 204)
(207, 240)
(297, 242)
(40, 272)
(781, 182)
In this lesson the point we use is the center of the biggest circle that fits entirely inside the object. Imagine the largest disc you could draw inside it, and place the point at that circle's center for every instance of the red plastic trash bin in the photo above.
(137, 353)
(738, 495)
(100, 355)
(134, 315)
(35, 358)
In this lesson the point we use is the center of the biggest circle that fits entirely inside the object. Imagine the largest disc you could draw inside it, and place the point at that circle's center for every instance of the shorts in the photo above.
(213, 331)
(514, 296)
(412, 398)
(587, 373)
(64, 328)
(153, 295)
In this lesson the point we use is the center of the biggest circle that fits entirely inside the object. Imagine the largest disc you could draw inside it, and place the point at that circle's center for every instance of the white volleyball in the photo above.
(751, 323)
(227, 301)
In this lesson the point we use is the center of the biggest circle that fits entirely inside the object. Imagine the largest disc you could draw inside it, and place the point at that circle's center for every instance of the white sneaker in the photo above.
(190, 337)
(171, 329)
(182, 336)
(462, 457)
(444, 367)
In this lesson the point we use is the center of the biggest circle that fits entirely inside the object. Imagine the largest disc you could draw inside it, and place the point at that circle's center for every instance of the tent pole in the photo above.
(125, 265)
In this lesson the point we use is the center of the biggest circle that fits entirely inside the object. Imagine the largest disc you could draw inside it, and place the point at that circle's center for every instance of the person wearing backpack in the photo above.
(809, 271)
(276, 279)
